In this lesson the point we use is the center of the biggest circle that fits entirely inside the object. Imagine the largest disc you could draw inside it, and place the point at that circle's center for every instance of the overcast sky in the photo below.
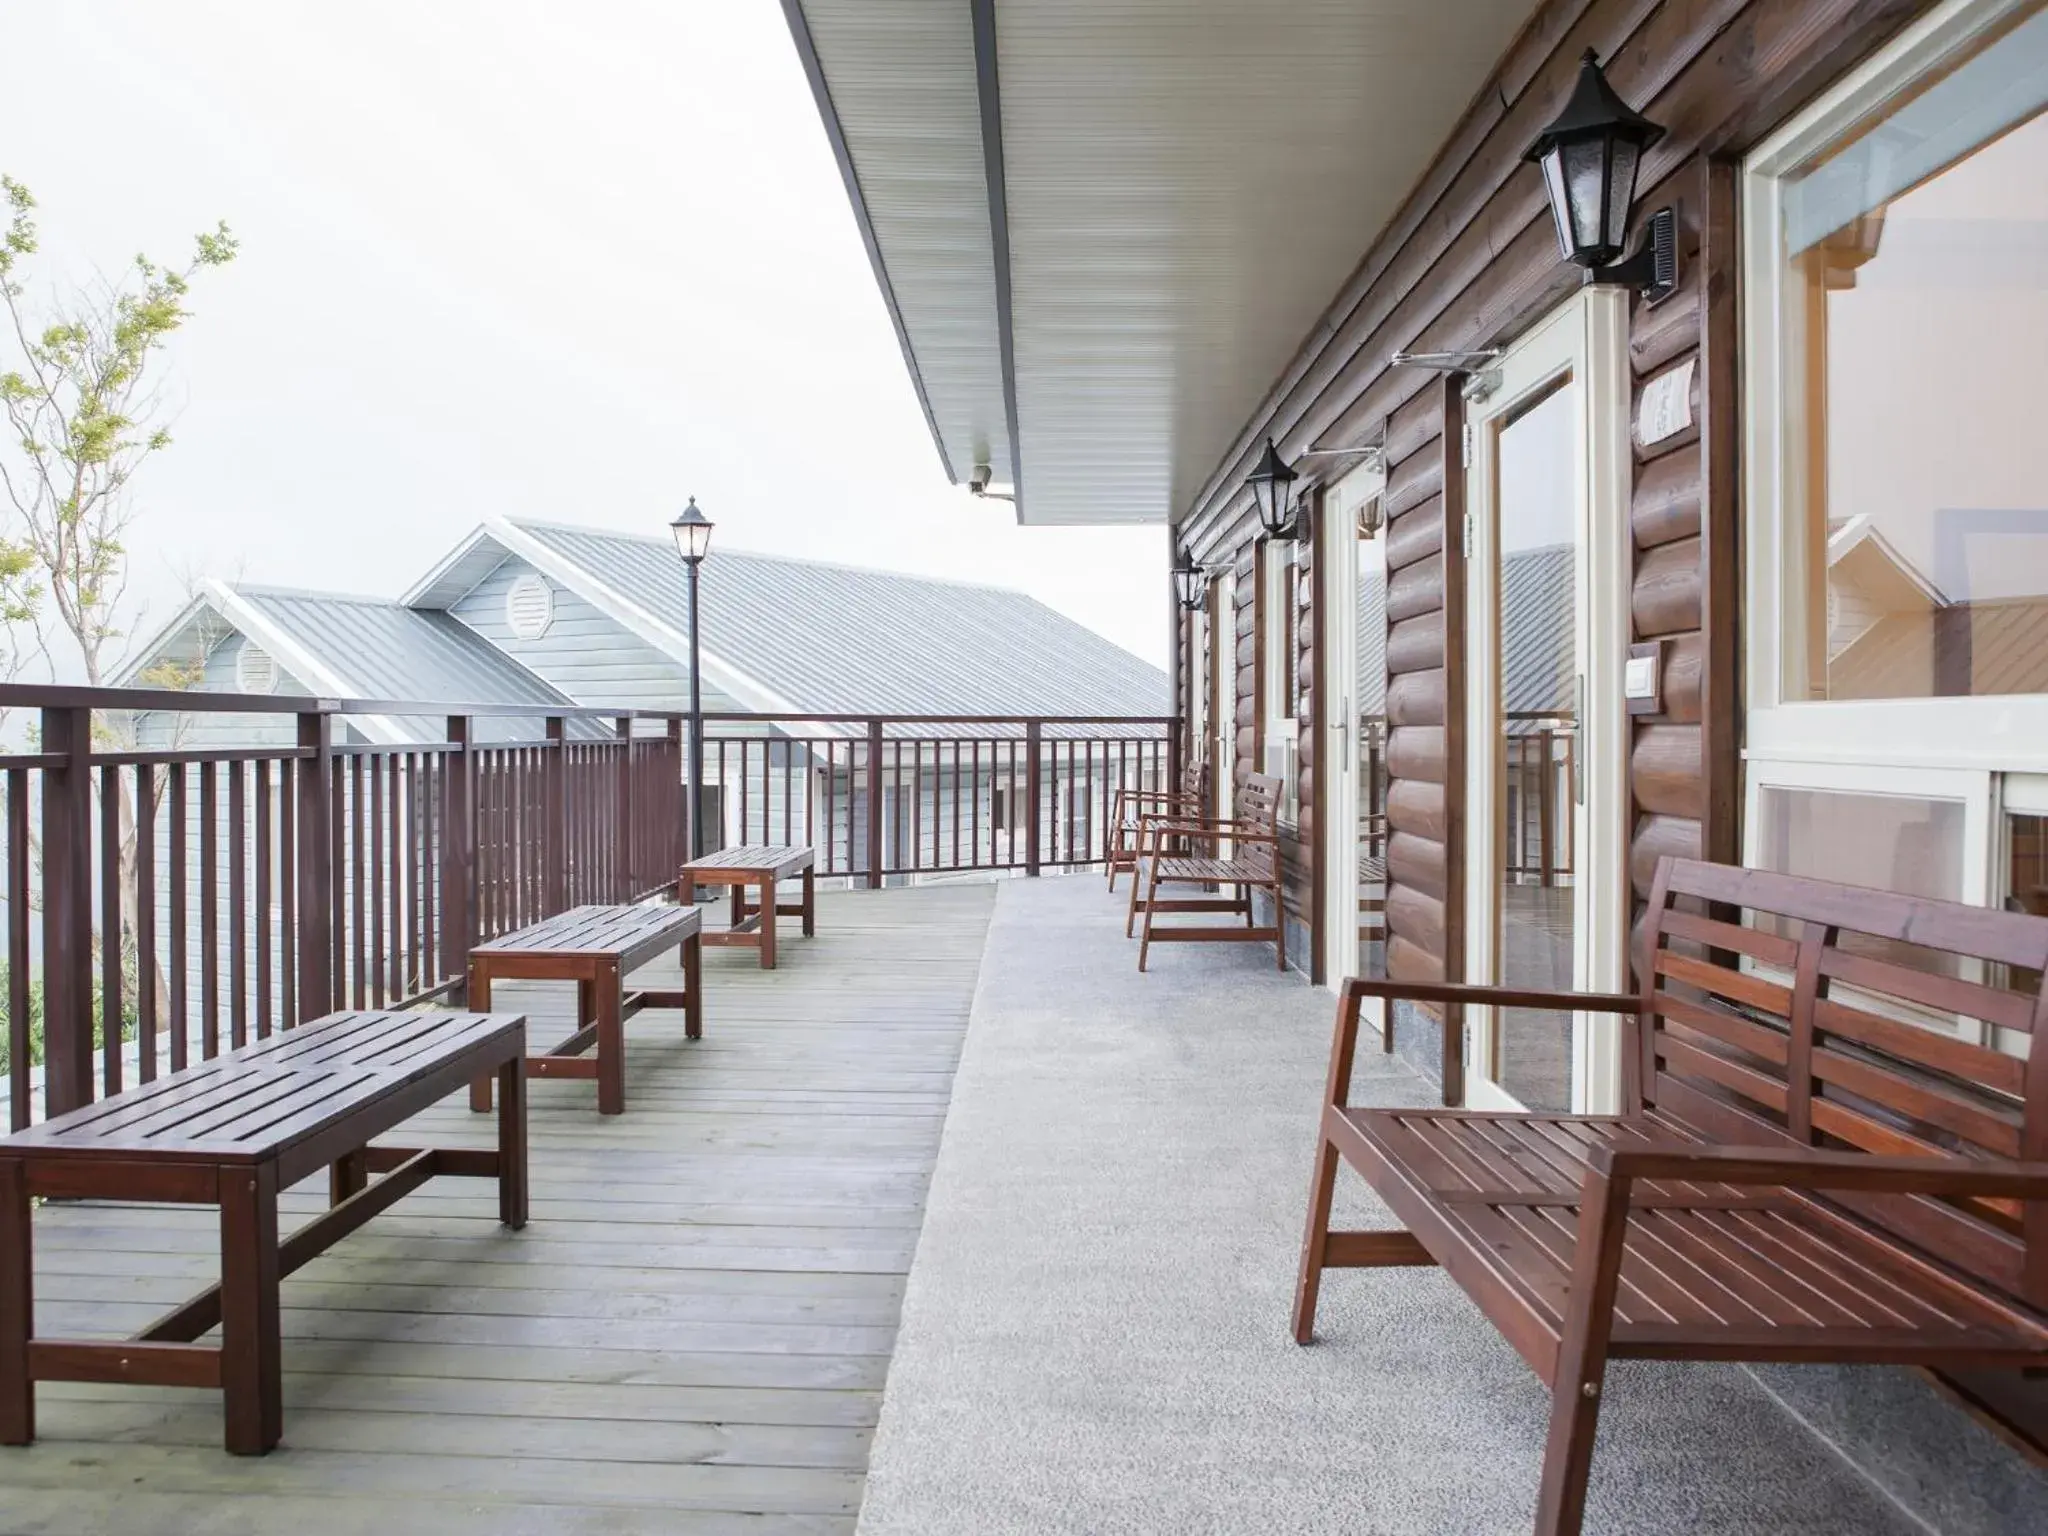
(549, 260)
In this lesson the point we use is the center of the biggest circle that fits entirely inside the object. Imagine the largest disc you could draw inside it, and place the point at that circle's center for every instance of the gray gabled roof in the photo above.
(385, 650)
(834, 638)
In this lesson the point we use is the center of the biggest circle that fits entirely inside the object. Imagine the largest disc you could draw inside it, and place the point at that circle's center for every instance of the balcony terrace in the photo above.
(955, 1147)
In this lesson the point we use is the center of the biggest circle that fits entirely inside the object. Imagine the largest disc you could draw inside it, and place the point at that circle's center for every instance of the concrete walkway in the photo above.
(1095, 1335)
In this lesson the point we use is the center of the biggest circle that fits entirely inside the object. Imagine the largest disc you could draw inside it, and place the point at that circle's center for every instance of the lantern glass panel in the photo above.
(1585, 179)
(1621, 189)
(1560, 202)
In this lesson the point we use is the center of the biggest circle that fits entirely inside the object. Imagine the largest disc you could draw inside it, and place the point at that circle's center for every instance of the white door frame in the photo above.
(1223, 705)
(1341, 688)
(1586, 339)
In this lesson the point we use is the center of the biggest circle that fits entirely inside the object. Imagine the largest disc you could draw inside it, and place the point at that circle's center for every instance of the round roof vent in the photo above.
(530, 606)
(255, 670)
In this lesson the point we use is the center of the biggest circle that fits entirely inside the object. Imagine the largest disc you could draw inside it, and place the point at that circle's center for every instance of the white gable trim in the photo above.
(615, 605)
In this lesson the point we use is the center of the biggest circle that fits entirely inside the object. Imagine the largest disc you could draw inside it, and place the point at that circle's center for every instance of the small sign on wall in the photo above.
(1666, 407)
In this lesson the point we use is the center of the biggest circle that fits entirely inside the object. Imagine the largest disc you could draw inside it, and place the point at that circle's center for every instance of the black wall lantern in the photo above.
(1272, 484)
(1190, 582)
(1590, 156)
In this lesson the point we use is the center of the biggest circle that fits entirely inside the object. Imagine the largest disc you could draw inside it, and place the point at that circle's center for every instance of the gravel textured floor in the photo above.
(1095, 1338)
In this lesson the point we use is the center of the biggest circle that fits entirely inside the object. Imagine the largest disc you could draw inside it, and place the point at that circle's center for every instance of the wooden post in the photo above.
(458, 857)
(874, 805)
(554, 872)
(313, 872)
(622, 859)
(67, 912)
(1032, 790)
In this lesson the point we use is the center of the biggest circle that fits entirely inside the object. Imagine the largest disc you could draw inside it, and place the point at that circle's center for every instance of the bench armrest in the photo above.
(1212, 831)
(1818, 1168)
(1498, 997)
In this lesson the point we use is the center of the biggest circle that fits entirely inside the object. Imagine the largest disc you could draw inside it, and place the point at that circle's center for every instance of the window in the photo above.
(1895, 315)
(1899, 307)
(1280, 646)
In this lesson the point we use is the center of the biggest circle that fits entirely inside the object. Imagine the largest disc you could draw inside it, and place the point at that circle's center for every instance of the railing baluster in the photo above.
(110, 930)
(146, 999)
(373, 768)
(263, 929)
(209, 910)
(67, 911)
(238, 932)
(18, 1105)
(179, 946)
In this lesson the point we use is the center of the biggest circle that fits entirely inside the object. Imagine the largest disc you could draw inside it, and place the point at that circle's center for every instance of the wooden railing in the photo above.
(930, 795)
(167, 900)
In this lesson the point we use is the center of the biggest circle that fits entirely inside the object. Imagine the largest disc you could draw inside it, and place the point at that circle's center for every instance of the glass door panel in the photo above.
(1533, 585)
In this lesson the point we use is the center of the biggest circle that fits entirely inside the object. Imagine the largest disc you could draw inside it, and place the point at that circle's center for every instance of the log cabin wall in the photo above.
(1469, 261)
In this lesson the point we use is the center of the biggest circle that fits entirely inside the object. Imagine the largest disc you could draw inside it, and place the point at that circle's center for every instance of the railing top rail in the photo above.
(202, 701)
(715, 715)
(171, 701)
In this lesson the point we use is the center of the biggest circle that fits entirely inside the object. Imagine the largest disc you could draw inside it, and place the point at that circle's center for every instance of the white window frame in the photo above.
(1988, 734)
(1342, 568)
(1280, 751)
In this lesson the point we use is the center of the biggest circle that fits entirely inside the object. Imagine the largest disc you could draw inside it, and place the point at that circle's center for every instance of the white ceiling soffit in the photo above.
(1185, 185)
(895, 81)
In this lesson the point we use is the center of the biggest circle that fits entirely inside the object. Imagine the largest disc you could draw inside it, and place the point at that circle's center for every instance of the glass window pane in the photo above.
(1889, 842)
(1919, 260)
(1538, 602)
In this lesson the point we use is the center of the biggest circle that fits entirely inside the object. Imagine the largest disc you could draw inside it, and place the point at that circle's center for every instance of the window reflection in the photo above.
(1921, 253)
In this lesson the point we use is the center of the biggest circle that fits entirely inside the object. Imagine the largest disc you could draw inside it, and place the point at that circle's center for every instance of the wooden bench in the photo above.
(1253, 865)
(597, 947)
(762, 866)
(1824, 1155)
(232, 1132)
(1133, 808)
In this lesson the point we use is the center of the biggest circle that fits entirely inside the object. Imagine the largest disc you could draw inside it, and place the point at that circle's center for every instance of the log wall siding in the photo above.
(1470, 261)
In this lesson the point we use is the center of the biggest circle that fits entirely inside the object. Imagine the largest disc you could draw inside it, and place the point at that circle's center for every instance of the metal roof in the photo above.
(835, 638)
(1110, 226)
(384, 650)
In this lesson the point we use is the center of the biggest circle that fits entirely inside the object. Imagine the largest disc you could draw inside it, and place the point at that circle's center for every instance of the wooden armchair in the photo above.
(1132, 808)
(1253, 865)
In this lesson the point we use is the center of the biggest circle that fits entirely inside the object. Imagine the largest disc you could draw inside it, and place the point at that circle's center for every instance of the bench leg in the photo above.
(347, 1175)
(1131, 912)
(1322, 1189)
(1279, 926)
(17, 1307)
(611, 1042)
(512, 1181)
(1151, 895)
(810, 903)
(693, 987)
(1582, 1357)
(739, 902)
(478, 1000)
(251, 1354)
(767, 922)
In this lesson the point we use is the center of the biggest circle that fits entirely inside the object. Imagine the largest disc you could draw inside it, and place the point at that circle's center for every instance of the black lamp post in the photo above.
(692, 530)
(1590, 156)
(1272, 484)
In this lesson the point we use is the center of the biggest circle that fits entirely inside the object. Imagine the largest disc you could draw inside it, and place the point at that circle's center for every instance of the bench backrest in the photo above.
(1257, 805)
(1779, 1009)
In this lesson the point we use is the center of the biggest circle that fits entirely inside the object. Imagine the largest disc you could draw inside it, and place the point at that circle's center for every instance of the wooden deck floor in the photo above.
(691, 1336)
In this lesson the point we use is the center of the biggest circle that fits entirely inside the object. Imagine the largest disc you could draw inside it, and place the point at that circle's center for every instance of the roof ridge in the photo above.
(276, 589)
(532, 524)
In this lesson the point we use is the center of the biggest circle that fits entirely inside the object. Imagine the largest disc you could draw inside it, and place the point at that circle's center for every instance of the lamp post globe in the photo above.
(692, 532)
